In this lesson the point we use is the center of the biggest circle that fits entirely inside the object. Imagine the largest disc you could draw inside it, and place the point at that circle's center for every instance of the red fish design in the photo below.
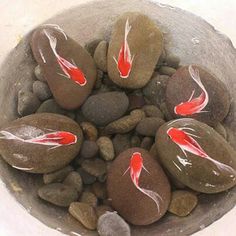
(54, 139)
(125, 60)
(193, 105)
(70, 70)
(187, 143)
(135, 167)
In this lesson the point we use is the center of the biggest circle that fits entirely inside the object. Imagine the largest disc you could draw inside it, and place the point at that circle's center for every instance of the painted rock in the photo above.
(104, 108)
(135, 47)
(141, 200)
(68, 68)
(40, 143)
(204, 97)
(196, 155)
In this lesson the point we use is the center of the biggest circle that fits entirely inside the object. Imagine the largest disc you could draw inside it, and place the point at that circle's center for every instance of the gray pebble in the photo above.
(89, 149)
(172, 61)
(92, 45)
(166, 70)
(57, 176)
(28, 103)
(106, 149)
(135, 141)
(121, 142)
(74, 179)
(100, 55)
(95, 167)
(89, 198)
(111, 224)
(38, 73)
(86, 177)
(152, 111)
(146, 143)
(149, 126)
(50, 106)
(58, 194)
(41, 90)
(221, 130)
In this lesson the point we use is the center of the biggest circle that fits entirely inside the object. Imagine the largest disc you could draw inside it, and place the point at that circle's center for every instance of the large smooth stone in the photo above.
(38, 158)
(104, 108)
(201, 174)
(181, 85)
(66, 92)
(145, 41)
(133, 205)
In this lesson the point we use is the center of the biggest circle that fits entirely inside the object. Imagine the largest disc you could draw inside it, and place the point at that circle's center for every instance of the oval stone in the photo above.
(104, 108)
(132, 204)
(196, 155)
(145, 41)
(25, 146)
(67, 93)
(182, 88)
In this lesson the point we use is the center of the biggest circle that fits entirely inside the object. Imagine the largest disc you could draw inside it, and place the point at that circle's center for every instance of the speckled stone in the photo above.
(200, 174)
(106, 149)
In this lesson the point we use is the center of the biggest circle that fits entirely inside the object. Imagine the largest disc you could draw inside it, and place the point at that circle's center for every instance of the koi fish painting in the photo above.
(71, 71)
(186, 142)
(193, 105)
(136, 166)
(53, 139)
(125, 60)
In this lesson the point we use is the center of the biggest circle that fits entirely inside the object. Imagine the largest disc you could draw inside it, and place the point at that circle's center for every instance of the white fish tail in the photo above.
(222, 166)
(8, 135)
(153, 195)
(196, 77)
(126, 48)
(53, 43)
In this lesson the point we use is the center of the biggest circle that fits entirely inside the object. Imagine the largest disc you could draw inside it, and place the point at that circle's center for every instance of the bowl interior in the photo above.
(187, 36)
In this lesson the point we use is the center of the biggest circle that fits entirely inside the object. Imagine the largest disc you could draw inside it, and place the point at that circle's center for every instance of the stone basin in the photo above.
(187, 36)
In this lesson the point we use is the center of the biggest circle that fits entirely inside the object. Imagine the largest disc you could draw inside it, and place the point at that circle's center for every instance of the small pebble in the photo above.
(99, 190)
(172, 61)
(57, 176)
(84, 213)
(58, 194)
(92, 45)
(121, 142)
(146, 143)
(152, 111)
(50, 106)
(102, 209)
(96, 167)
(136, 101)
(79, 117)
(86, 177)
(155, 90)
(135, 141)
(166, 70)
(28, 103)
(111, 224)
(182, 202)
(89, 198)
(89, 130)
(89, 149)
(38, 73)
(161, 60)
(100, 55)
(166, 112)
(98, 83)
(125, 123)
(149, 126)
(41, 90)
(74, 179)
(106, 149)
(219, 128)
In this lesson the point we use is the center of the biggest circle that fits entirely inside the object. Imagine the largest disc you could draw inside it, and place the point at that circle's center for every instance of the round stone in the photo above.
(148, 200)
(58, 194)
(41, 90)
(104, 108)
(196, 155)
(74, 179)
(26, 144)
(203, 97)
(145, 41)
(89, 149)
(106, 149)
